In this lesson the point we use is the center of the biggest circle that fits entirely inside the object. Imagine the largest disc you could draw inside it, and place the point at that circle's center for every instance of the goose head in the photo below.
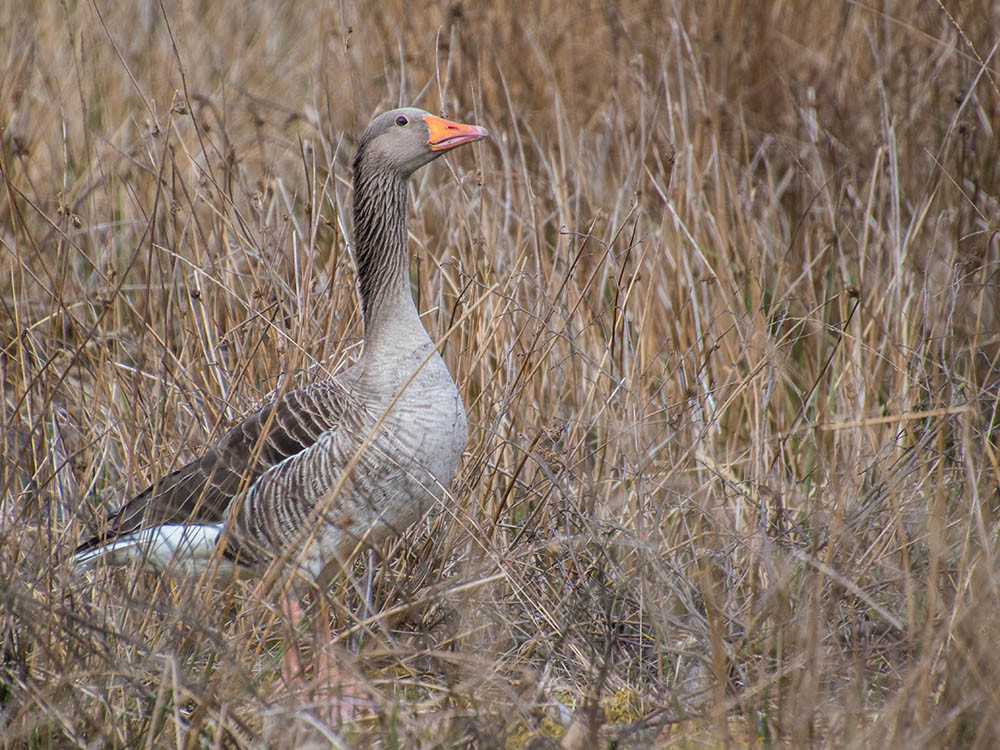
(403, 140)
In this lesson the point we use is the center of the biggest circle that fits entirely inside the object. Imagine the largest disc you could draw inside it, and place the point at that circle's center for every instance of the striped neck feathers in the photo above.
(380, 242)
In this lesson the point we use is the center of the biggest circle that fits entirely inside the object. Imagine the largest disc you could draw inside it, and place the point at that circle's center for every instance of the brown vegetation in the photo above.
(726, 293)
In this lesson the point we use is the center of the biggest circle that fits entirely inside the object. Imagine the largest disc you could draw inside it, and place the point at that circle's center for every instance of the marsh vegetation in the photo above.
(721, 297)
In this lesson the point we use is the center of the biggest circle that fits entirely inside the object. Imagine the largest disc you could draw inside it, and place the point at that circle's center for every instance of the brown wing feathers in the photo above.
(203, 490)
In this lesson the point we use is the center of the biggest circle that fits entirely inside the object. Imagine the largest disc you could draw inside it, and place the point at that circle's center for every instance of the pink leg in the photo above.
(338, 692)
(291, 668)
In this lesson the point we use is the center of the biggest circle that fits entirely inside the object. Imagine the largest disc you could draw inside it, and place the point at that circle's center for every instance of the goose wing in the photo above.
(201, 493)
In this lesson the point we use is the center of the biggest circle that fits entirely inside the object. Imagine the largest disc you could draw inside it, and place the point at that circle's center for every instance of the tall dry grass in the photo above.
(726, 285)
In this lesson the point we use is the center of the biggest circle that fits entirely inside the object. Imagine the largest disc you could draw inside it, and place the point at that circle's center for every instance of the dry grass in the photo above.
(726, 284)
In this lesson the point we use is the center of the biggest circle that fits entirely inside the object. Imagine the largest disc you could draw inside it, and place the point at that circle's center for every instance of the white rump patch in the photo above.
(175, 547)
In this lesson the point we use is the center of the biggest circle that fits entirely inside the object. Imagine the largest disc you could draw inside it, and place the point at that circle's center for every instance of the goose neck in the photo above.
(381, 254)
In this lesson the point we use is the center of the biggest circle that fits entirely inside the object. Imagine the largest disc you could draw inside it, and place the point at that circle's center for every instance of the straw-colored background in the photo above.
(727, 282)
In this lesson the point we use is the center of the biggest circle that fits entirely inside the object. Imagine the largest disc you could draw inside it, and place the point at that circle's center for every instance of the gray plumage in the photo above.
(278, 482)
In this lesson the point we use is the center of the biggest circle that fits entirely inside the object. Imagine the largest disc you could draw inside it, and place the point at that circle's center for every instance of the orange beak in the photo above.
(445, 134)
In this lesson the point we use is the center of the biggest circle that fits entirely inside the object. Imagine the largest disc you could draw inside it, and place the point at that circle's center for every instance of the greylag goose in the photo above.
(343, 462)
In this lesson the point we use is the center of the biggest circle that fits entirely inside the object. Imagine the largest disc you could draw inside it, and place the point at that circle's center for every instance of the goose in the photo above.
(343, 462)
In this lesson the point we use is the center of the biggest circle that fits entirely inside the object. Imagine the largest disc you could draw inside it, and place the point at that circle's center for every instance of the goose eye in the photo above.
(401, 120)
